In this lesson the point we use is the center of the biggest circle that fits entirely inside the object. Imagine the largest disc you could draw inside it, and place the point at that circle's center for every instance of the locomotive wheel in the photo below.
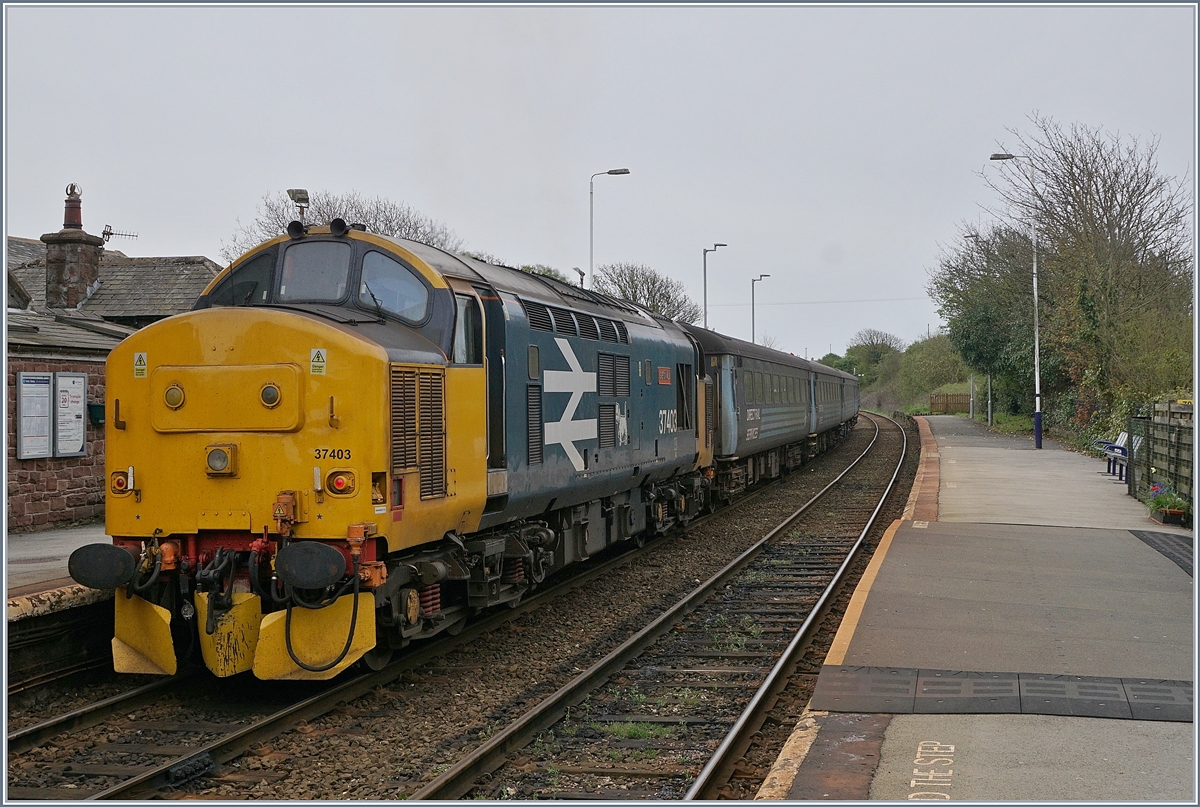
(378, 657)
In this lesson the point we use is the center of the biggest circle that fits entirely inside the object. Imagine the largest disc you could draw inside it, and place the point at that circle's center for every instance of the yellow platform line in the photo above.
(841, 642)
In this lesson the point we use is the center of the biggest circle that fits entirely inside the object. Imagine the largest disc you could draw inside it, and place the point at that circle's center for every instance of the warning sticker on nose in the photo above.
(139, 365)
(316, 361)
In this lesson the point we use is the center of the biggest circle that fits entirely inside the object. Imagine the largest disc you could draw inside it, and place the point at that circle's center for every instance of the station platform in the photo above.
(1024, 632)
(37, 582)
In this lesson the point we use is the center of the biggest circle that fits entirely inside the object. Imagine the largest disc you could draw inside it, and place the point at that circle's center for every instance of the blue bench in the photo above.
(1115, 452)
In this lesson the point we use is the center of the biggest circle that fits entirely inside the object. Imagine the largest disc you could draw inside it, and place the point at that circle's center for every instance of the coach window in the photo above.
(468, 331)
(315, 272)
(392, 286)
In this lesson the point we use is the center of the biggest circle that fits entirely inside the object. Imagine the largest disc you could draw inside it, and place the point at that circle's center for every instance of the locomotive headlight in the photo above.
(119, 482)
(270, 395)
(221, 460)
(173, 397)
(218, 460)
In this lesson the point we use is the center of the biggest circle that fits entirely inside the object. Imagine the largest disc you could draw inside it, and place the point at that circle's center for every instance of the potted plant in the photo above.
(1168, 507)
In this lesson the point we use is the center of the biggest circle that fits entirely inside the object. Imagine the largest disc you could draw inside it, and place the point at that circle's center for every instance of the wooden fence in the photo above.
(947, 403)
(1160, 450)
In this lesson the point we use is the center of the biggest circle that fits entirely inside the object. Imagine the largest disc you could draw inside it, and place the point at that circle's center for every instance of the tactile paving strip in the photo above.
(865, 690)
(1077, 695)
(951, 692)
(1152, 699)
(892, 690)
(1177, 548)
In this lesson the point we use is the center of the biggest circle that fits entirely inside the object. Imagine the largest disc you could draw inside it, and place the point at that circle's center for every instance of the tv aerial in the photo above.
(108, 232)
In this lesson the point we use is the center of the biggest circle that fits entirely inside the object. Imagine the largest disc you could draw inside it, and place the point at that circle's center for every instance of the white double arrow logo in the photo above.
(565, 431)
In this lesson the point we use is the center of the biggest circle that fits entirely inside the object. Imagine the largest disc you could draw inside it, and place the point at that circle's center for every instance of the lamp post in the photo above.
(1037, 358)
(752, 282)
(591, 211)
(706, 251)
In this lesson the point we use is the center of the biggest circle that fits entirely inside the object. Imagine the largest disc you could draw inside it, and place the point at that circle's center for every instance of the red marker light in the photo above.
(119, 483)
(339, 482)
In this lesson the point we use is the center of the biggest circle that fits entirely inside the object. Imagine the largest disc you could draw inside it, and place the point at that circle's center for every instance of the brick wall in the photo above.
(53, 490)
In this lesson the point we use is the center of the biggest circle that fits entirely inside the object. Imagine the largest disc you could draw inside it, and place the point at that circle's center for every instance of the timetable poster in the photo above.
(33, 415)
(70, 421)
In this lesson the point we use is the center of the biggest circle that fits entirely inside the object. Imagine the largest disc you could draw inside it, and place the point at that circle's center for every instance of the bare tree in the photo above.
(640, 284)
(380, 215)
(878, 341)
(770, 341)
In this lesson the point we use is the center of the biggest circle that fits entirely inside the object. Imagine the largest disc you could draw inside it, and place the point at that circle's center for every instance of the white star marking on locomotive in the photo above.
(565, 431)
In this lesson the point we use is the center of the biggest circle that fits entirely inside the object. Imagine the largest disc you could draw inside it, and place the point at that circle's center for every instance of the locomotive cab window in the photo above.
(315, 272)
(248, 283)
(468, 331)
(394, 287)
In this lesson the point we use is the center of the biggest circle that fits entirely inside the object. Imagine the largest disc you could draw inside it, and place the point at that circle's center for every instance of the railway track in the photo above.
(644, 719)
(175, 730)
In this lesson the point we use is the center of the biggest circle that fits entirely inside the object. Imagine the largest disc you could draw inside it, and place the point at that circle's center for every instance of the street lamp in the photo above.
(591, 208)
(706, 251)
(752, 282)
(1037, 363)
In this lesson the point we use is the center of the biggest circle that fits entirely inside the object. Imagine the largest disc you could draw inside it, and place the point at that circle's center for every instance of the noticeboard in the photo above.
(34, 439)
(70, 414)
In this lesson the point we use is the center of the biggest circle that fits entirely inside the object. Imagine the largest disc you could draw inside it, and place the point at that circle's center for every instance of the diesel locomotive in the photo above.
(354, 441)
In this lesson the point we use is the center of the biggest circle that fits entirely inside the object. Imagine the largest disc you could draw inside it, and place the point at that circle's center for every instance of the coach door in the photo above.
(494, 361)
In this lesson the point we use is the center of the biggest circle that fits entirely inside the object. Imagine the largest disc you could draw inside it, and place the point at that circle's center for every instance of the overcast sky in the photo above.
(835, 148)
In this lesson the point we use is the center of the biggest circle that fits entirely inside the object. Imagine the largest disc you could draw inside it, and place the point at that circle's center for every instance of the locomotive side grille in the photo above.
(563, 321)
(534, 437)
(605, 374)
(404, 419)
(612, 375)
(622, 333)
(432, 442)
(608, 331)
(539, 317)
(620, 375)
(608, 425)
(587, 326)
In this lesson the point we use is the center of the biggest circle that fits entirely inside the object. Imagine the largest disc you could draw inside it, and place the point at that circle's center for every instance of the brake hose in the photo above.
(287, 630)
(140, 587)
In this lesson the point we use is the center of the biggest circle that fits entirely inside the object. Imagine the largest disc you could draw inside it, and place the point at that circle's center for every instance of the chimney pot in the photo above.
(73, 215)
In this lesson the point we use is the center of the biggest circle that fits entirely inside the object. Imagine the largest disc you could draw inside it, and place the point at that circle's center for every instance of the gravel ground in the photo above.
(59, 697)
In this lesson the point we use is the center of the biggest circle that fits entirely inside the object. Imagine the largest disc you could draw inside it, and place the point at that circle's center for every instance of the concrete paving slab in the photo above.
(1002, 479)
(1034, 758)
(41, 557)
(998, 598)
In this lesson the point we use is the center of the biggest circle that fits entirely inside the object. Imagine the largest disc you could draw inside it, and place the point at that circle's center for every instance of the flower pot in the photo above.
(1168, 516)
